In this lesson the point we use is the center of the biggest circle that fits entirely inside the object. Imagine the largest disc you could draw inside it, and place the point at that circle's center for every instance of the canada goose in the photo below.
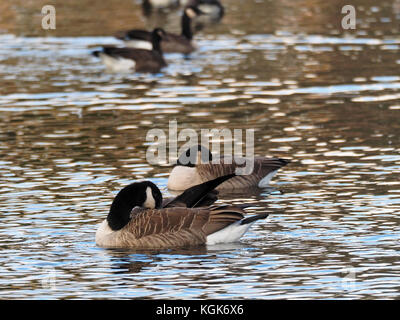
(137, 219)
(198, 165)
(180, 43)
(129, 59)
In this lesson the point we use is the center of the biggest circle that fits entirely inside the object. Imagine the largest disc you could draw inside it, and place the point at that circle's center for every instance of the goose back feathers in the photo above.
(264, 169)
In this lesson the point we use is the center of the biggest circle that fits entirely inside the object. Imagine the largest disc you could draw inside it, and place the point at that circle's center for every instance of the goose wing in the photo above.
(262, 167)
(176, 227)
(222, 216)
(161, 228)
(139, 34)
(198, 196)
(135, 34)
(127, 53)
(149, 222)
(208, 200)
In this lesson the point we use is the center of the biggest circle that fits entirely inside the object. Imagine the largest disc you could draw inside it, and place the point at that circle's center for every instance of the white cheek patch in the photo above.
(190, 13)
(150, 203)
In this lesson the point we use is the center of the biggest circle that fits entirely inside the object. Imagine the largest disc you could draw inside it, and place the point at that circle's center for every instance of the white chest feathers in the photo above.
(139, 44)
(102, 233)
(182, 178)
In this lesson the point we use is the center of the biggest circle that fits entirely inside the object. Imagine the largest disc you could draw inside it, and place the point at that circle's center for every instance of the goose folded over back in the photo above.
(198, 165)
(139, 218)
(179, 43)
(130, 60)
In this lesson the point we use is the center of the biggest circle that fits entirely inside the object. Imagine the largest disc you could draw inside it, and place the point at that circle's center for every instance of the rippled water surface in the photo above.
(72, 135)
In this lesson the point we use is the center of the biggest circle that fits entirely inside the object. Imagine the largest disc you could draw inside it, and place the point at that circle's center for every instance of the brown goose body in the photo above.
(128, 59)
(177, 43)
(144, 60)
(171, 227)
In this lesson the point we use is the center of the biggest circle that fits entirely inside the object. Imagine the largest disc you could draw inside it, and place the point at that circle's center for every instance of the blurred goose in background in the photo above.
(130, 60)
(160, 4)
(180, 43)
(196, 166)
(139, 219)
(212, 10)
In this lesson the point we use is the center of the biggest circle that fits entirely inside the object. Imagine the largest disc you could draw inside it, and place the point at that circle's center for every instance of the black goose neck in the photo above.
(186, 27)
(155, 41)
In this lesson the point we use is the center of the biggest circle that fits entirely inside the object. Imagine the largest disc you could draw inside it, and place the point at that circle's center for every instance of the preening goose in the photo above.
(130, 60)
(198, 165)
(137, 219)
(180, 43)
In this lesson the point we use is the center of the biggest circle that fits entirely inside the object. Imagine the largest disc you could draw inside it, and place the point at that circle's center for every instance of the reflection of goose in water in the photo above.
(129, 265)
(127, 261)
(138, 218)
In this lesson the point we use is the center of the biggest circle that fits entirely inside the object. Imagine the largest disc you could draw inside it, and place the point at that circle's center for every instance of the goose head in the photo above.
(143, 194)
(192, 11)
(196, 154)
